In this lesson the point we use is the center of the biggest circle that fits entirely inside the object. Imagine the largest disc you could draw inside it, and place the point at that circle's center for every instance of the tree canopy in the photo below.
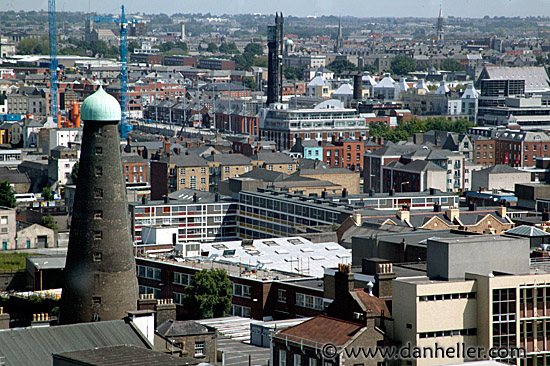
(210, 296)
(254, 48)
(408, 128)
(49, 222)
(47, 194)
(340, 65)
(7, 195)
(402, 65)
(230, 48)
(451, 65)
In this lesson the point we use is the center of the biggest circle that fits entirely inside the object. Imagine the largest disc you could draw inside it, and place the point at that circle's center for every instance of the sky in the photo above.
(359, 8)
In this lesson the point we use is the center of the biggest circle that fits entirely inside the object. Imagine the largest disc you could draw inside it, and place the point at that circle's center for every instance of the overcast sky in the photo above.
(360, 8)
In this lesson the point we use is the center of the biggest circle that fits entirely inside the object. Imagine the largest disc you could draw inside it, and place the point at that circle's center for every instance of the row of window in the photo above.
(183, 279)
(148, 272)
(135, 169)
(297, 360)
(449, 333)
(241, 290)
(309, 301)
(463, 295)
(243, 311)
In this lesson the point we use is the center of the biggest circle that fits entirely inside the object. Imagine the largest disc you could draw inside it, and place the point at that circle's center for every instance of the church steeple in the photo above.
(340, 39)
(440, 35)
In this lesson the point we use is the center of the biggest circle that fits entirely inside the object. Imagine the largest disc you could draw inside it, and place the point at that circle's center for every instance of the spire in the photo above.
(440, 36)
(340, 38)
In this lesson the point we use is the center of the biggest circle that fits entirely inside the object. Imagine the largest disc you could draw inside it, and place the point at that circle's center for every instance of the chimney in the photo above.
(324, 193)
(217, 197)
(357, 87)
(146, 302)
(404, 215)
(344, 193)
(392, 192)
(144, 200)
(4, 319)
(344, 280)
(166, 199)
(437, 207)
(501, 210)
(166, 310)
(383, 280)
(472, 206)
(545, 216)
(195, 198)
(433, 191)
(371, 192)
(40, 320)
(357, 217)
(452, 213)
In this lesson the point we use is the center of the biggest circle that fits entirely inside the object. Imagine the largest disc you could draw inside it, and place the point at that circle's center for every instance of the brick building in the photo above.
(345, 153)
(179, 171)
(134, 168)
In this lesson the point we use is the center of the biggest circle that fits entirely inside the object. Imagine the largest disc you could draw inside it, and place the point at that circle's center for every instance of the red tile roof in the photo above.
(320, 330)
(373, 303)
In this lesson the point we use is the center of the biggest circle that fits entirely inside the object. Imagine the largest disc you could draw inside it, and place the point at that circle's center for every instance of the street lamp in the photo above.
(402, 183)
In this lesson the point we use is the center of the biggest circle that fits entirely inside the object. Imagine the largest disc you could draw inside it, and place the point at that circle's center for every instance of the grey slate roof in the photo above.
(131, 158)
(185, 160)
(124, 355)
(265, 175)
(501, 169)
(175, 328)
(273, 158)
(230, 159)
(34, 346)
(527, 232)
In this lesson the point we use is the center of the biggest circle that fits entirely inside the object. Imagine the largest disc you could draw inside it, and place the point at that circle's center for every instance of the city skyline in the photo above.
(396, 8)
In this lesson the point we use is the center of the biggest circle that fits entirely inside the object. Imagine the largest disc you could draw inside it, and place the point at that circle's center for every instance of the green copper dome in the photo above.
(100, 106)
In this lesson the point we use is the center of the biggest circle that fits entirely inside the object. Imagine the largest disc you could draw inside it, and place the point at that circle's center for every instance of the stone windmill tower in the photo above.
(100, 276)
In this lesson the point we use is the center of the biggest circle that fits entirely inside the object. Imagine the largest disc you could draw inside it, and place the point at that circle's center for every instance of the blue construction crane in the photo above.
(124, 127)
(54, 106)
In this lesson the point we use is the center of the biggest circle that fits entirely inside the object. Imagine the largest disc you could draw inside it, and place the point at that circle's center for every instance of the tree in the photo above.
(210, 296)
(74, 172)
(7, 195)
(451, 65)
(260, 61)
(293, 73)
(250, 83)
(47, 194)
(340, 65)
(402, 65)
(133, 45)
(165, 47)
(212, 48)
(49, 222)
(254, 48)
(229, 48)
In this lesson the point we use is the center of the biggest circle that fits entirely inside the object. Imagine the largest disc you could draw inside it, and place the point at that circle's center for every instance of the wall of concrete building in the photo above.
(452, 258)
(436, 179)
(506, 182)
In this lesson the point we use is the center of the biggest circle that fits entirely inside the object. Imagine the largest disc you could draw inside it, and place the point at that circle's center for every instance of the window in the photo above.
(241, 290)
(183, 279)
(128, 169)
(526, 147)
(98, 235)
(203, 180)
(203, 170)
(534, 147)
(226, 169)
(297, 359)
(281, 295)
(4, 220)
(141, 169)
(239, 310)
(312, 361)
(309, 301)
(148, 272)
(199, 349)
(98, 171)
(98, 215)
(526, 157)
(97, 257)
(193, 182)
(182, 171)
(289, 167)
(135, 169)
(182, 181)
(282, 357)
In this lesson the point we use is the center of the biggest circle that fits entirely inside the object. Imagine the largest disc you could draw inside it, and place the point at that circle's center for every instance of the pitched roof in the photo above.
(502, 169)
(535, 77)
(527, 231)
(175, 328)
(185, 160)
(273, 157)
(370, 302)
(16, 344)
(123, 355)
(230, 159)
(322, 329)
(265, 175)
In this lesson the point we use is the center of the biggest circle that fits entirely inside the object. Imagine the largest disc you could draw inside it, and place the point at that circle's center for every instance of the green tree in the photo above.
(451, 65)
(133, 45)
(370, 68)
(47, 194)
(293, 73)
(49, 222)
(74, 172)
(165, 47)
(260, 61)
(229, 48)
(340, 65)
(402, 65)
(181, 45)
(254, 48)
(250, 83)
(33, 46)
(210, 296)
(7, 195)
(212, 47)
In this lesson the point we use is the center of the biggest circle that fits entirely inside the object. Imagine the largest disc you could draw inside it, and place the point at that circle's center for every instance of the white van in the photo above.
(25, 197)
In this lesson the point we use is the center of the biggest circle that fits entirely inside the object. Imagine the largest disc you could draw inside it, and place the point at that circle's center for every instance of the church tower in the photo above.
(100, 273)
(440, 35)
(339, 46)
